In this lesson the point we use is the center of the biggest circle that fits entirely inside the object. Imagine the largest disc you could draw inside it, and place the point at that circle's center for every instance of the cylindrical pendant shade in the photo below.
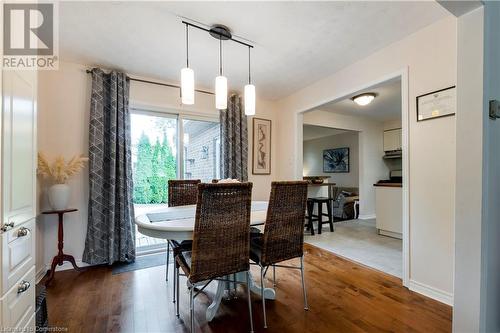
(220, 93)
(187, 86)
(249, 99)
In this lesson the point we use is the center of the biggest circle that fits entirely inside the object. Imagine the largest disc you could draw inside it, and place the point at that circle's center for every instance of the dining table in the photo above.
(177, 223)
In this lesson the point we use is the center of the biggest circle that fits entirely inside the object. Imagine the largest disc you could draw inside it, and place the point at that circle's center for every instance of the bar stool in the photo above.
(311, 217)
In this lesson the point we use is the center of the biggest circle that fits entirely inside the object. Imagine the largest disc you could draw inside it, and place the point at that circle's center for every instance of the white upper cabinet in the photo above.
(393, 139)
(19, 146)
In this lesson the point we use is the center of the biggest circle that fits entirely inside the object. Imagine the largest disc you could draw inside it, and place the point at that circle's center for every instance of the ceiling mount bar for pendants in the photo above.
(215, 31)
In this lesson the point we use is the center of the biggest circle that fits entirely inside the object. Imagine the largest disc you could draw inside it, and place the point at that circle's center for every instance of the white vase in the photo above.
(59, 196)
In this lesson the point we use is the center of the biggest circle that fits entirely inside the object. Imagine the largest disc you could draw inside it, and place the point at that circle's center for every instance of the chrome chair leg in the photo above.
(234, 286)
(262, 294)
(306, 306)
(274, 276)
(175, 279)
(177, 288)
(168, 259)
(191, 307)
(249, 302)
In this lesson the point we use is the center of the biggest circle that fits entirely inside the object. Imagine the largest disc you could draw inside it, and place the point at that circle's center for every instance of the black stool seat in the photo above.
(319, 201)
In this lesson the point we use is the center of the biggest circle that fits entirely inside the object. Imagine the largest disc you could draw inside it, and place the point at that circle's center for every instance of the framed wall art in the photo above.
(336, 160)
(436, 104)
(261, 148)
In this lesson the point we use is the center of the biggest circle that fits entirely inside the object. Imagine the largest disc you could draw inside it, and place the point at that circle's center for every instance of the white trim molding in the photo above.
(434, 293)
(64, 267)
(40, 274)
(367, 216)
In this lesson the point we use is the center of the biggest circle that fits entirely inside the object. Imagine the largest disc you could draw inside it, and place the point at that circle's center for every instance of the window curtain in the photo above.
(110, 230)
(234, 140)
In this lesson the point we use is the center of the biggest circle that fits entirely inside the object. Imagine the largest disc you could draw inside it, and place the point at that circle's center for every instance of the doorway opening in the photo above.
(363, 151)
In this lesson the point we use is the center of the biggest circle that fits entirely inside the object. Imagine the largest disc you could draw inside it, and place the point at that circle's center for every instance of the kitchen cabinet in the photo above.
(389, 210)
(393, 139)
(18, 153)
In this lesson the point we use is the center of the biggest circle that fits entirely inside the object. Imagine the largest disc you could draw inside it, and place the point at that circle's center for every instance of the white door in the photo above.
(19, 146)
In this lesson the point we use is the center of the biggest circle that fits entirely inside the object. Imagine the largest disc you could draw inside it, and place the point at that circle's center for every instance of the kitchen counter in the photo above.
(388, 206)
(389, 184)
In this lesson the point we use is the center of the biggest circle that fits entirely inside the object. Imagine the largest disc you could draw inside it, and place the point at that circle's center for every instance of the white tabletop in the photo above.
(178, 222)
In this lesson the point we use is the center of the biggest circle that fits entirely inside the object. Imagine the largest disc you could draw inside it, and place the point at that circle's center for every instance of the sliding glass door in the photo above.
(169, 146)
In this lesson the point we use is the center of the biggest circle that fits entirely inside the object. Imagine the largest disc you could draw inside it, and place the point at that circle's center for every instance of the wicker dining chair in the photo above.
(221, 239)
(283, 236)
(180, 193)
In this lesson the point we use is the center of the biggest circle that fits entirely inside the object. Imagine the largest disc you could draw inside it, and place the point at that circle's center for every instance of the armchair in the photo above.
(343, 202)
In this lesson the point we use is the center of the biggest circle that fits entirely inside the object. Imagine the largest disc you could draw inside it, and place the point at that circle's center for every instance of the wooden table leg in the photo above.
(55, 261)
(60, 258)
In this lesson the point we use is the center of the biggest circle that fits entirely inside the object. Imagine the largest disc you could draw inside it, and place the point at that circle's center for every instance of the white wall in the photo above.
(64, 106)
(469, 173)
(313, 158)
(370, 142)
(63, 120)
(430, 56)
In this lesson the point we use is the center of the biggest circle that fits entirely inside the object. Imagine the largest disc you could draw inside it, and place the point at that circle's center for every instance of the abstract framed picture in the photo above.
(336, 160)
(261, 148)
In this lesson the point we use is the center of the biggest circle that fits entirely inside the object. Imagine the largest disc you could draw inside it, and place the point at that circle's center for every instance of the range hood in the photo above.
(393, 154)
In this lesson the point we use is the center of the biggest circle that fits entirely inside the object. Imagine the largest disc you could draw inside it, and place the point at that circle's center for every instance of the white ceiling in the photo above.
(385, 107)
(311, 132)
(296, 43)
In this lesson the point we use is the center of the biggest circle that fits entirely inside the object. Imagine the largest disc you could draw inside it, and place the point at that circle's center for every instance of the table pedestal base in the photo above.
(269, 293)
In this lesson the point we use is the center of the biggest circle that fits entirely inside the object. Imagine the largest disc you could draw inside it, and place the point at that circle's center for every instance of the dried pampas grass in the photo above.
(60, 171)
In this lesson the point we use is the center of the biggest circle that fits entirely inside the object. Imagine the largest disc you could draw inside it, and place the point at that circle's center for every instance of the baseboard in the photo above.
(367, 216)
(40, 274)
(434, 293)
(67, 265)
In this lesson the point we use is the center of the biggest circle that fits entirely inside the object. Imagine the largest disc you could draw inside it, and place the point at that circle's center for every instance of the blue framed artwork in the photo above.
(336, 160)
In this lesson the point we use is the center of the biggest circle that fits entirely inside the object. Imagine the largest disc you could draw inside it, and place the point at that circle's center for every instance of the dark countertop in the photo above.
(322, 184)
(388, 184)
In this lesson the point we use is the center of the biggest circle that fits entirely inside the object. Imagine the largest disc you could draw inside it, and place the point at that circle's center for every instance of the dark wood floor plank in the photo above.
(343, 297)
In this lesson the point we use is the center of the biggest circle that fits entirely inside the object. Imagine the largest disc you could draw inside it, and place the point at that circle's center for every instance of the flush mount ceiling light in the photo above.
(364, 99)
(221, 33)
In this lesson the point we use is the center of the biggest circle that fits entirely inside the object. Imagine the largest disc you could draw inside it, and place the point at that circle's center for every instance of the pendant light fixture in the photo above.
(221, 33)
(220, 84)
(249, 92)
(187, 77)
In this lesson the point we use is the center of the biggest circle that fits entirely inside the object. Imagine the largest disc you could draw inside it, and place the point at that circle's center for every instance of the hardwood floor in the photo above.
(343, 297)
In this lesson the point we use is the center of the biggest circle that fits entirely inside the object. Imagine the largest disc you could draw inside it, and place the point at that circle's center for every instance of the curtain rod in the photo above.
(161, 84)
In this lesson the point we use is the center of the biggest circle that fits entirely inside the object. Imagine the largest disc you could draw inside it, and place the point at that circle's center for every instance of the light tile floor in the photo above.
(358, 240)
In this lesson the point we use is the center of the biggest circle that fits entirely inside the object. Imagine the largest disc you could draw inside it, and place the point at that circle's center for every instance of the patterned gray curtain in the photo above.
(110, 230)
(234, 139)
